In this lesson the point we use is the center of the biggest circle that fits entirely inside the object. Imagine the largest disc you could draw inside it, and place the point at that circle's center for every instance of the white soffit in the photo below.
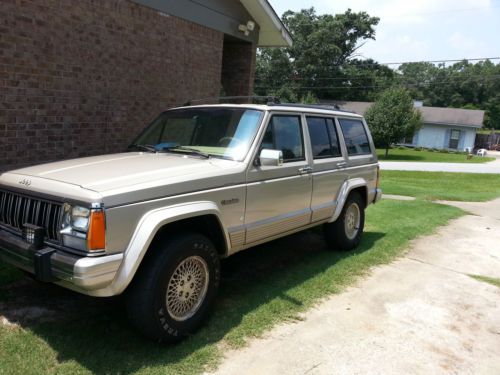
(272, 31)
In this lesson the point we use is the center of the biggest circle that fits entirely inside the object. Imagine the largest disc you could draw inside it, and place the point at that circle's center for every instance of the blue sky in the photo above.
(420, 29)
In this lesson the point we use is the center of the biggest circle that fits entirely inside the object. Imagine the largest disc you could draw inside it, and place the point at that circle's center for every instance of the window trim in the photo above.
(370, 150)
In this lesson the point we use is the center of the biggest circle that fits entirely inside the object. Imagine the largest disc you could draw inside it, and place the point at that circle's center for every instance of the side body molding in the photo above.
(145, 232)
(345, 189)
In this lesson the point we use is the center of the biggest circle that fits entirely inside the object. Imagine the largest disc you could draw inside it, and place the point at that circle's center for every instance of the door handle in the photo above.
(305, 170)
(342, 164)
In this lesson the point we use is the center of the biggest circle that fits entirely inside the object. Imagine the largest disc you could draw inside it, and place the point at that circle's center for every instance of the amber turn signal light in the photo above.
(96, 236)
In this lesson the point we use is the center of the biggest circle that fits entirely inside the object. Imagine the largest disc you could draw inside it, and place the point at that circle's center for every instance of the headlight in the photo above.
(80, 218)
(83, 228)
(76, 217)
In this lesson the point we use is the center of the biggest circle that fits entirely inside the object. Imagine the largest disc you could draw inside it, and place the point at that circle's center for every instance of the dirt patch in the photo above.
(27, 302)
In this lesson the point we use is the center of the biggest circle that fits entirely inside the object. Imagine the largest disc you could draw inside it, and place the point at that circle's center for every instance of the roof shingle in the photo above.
(430, 115)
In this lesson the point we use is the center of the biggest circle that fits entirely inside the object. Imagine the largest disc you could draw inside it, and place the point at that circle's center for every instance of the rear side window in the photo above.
(284, 133)
(355, 137)
(324, 140)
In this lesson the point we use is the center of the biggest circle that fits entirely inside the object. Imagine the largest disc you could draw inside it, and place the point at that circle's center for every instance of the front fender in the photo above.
(345, 189)
(145, 232)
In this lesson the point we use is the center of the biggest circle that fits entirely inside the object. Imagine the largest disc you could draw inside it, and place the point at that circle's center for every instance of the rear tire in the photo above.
(175, 288)
(345, 232)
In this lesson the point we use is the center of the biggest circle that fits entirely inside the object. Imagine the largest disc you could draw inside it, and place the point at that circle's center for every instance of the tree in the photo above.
(322, 45)
(461, 85)
(362, 80)
(392, 117)
(323, 64)
(492, 117)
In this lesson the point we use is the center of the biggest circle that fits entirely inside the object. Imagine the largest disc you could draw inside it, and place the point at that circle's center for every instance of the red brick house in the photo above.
(83, 77)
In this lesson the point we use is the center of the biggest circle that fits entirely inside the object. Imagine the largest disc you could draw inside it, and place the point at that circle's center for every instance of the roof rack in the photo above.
(331, 107)
(270, 100)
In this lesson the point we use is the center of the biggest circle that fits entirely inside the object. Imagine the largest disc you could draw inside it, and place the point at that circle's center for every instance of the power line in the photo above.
(358, 78)
(362, 64)
(442, 61)
(419, 84)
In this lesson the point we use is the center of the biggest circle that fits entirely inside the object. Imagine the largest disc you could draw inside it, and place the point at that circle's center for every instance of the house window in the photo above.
(408, 140)
(454, 138)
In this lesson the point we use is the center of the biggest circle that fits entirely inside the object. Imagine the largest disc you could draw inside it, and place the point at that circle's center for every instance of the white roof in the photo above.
(272, 31)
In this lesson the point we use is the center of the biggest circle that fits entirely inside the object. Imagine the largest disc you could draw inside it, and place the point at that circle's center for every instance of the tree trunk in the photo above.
(386, 152)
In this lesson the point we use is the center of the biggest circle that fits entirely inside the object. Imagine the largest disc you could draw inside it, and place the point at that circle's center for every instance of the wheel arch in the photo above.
(201, 217)
(349, 186)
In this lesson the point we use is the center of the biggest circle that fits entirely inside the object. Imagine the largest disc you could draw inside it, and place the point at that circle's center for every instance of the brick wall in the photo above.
(238, 68)
(83, 77)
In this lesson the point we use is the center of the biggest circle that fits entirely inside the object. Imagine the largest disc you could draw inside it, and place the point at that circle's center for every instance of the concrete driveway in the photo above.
(491, 167)
(422, 314)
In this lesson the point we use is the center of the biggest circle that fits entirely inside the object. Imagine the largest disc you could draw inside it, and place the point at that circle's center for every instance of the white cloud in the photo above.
(397, 49)
(466, 45)
(420, 29)
(405, 12)
(459, 41)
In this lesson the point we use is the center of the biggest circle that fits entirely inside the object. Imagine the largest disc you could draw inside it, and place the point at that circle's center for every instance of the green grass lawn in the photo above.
(260, 288)
(485, 279)
(428, 156)
(486, 131)
(475, 187)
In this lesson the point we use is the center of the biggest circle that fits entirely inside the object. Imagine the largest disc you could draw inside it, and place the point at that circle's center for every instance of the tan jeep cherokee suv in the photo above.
(199, 184)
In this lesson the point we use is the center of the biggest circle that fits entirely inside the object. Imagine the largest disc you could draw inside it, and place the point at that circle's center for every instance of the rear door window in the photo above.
(324, 140)
(356, 139)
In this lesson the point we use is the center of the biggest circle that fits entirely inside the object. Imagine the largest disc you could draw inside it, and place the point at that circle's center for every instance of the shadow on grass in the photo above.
(96, 334)
(401, 157)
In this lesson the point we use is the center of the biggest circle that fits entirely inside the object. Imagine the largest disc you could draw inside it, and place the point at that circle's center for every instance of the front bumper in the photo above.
(82, 274)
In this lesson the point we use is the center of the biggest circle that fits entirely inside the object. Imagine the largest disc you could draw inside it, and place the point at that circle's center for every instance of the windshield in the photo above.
(220, 132)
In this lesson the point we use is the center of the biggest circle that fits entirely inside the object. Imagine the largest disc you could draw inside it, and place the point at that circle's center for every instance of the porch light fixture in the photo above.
(246, 29)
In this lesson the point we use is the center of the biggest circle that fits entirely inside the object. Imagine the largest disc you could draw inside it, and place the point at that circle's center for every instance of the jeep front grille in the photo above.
(16, 210)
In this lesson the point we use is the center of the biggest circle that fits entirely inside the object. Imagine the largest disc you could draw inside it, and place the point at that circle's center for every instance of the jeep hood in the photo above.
(118, 171)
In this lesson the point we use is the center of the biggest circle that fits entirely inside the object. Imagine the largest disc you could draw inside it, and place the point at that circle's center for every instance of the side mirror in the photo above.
(272, 158)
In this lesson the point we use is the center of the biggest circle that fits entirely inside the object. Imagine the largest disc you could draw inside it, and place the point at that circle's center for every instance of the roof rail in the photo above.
(331, 107)
(249, 99)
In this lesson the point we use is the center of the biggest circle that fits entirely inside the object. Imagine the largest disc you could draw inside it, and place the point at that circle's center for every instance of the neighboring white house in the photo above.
(443, 128)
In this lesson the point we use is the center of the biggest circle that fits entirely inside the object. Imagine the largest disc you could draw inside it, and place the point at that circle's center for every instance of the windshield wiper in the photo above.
(143, 147)
(170, 148)
(184, 149)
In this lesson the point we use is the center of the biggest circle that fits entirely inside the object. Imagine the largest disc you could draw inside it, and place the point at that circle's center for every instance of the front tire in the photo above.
(175, 288)
(345, 232)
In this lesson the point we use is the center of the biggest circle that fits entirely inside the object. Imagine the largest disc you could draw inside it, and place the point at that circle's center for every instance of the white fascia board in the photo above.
(272, 31)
